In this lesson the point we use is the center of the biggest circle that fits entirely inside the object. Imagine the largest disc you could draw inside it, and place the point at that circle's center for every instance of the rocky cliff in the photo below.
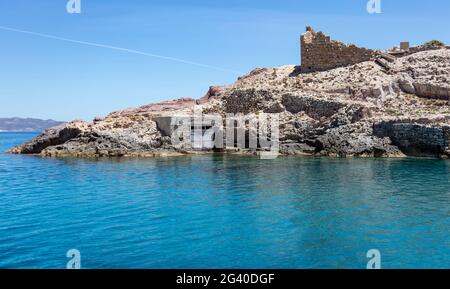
(371, 109)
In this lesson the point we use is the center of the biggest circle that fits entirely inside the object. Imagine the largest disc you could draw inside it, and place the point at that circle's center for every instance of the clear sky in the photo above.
(49, 78)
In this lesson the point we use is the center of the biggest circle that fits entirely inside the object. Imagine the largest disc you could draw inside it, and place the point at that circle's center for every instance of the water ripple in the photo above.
(222, 212)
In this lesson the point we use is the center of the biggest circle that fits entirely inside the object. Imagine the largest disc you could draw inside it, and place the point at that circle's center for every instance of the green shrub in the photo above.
(435, 43)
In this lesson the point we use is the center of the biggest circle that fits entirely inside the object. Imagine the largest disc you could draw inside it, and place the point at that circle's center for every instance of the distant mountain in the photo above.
(26, 124)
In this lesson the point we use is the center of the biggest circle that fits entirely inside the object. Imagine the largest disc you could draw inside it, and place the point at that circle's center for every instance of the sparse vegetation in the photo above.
(435, 43)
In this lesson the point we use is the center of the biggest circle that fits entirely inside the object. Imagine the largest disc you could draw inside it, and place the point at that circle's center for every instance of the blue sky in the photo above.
(48, 78)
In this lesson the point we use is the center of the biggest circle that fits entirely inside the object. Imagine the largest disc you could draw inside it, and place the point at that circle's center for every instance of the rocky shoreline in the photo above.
(362, 110)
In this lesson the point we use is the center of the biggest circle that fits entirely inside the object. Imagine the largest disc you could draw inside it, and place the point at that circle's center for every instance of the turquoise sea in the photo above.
(222, 211)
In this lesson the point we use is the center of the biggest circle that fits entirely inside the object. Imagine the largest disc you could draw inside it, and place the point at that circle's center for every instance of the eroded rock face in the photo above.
(415, 138)
(426, 75)
(115, 136)
(247, 101)
(313, 107)
(165, 106)
(361, 110)
(51, 137)
(355, 140)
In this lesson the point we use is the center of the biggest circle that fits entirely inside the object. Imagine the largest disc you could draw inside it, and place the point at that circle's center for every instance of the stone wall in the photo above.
(415, 139)
(313, 107)
(319, 52)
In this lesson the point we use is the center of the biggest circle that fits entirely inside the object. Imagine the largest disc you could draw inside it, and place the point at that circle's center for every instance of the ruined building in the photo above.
(319, 52)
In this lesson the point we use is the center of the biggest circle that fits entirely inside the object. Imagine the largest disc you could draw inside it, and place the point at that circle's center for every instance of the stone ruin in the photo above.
(320, 53)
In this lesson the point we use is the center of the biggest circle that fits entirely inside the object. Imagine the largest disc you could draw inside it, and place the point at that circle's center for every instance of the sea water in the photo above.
(217, 211)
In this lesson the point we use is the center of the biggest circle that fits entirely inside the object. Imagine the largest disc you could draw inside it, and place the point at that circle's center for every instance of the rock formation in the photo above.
(364, 109)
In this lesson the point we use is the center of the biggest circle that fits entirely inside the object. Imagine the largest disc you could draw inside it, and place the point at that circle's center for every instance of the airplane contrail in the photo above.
(119, 49)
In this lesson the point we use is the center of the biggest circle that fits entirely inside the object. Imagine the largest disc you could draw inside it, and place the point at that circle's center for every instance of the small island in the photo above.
(17, 124)
(342, 101)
